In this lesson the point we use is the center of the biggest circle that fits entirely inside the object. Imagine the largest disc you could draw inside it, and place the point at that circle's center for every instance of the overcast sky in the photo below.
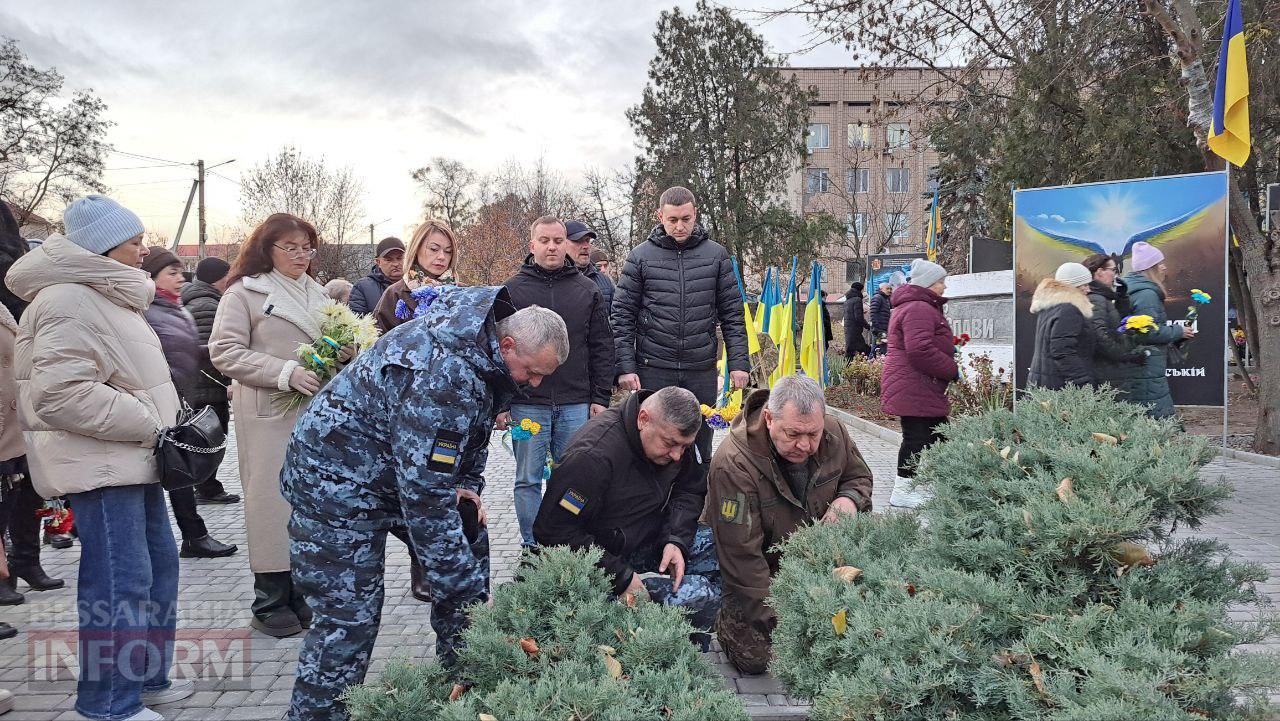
(380, 86)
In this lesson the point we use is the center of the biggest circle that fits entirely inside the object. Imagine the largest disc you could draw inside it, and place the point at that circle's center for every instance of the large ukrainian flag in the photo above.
(813, 345)
(783, 324)
(1229, 127)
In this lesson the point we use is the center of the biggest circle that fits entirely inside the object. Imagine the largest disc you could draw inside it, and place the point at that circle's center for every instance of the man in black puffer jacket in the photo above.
(388, 267)
(581, 386)
(201, 298)
(675, 288)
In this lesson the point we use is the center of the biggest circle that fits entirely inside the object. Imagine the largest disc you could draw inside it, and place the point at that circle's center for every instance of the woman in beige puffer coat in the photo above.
(93, 395)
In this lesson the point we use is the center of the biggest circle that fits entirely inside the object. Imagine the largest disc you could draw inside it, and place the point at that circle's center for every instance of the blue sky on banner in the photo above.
(381, 86)
(1110, 214)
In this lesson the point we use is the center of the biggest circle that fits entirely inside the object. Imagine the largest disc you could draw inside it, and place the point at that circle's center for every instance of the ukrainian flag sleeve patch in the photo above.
(445, 451)
(573, 502)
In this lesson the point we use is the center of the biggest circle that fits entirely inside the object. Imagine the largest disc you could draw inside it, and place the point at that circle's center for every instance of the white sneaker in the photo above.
(906, 494)
(6, 701)
(179, 688)
(145, 714)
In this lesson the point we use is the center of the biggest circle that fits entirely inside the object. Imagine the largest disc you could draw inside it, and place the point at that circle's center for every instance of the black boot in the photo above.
(7, 631)
(36, 578)
(206, 547)
(271, 612)
(9, 595)
(418, 585)
(300, 607)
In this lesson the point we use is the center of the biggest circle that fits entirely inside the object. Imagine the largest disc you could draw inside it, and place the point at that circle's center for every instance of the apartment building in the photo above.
(870, 161)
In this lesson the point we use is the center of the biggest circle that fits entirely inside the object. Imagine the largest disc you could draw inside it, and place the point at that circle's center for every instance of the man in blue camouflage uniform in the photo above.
(395, 440)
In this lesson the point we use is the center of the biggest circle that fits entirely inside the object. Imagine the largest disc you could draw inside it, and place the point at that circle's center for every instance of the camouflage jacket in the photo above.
(388, 440)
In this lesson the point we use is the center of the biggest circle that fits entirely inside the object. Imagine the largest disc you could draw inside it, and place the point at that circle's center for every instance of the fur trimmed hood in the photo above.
(1052, 293)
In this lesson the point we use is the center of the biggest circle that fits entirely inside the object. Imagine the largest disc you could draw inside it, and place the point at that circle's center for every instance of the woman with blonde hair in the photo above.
(431, 256)
(268, 310)
(1146, 383)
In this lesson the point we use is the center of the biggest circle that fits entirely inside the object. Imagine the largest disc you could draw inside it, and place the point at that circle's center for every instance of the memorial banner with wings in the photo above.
(1185, 216)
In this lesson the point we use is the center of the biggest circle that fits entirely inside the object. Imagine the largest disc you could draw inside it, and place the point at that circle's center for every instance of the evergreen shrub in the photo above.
(555, 645)
(1043, 581)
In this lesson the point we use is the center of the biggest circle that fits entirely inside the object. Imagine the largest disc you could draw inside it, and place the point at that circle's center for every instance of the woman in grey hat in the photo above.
(920, 365)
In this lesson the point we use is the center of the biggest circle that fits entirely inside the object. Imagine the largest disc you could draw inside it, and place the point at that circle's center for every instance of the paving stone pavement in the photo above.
(215, 595)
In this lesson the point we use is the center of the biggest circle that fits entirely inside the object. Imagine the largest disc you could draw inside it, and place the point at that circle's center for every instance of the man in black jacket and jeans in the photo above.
(201, 298)
(628, 486)
(581, 386)
(675, 288)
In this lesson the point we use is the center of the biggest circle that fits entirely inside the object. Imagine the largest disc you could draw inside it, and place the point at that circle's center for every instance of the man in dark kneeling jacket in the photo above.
(628, 486)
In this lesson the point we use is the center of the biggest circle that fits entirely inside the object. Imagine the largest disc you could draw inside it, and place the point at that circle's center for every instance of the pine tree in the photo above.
(1045, 582)
(556, 646)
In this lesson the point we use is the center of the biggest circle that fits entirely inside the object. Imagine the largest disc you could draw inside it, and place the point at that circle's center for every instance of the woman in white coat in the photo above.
(269, 309)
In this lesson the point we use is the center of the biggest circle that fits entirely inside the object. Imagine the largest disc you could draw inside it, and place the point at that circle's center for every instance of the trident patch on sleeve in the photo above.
(445, 451)
(573, 502)
(733, 509)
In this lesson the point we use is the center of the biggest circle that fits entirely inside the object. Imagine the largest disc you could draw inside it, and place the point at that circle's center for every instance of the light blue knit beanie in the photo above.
(98, 223)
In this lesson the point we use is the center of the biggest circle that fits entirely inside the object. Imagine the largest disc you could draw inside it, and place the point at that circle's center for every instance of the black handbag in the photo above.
(189, 453)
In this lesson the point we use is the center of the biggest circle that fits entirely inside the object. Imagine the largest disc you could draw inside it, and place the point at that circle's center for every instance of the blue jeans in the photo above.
(559, 423)
(128, 597)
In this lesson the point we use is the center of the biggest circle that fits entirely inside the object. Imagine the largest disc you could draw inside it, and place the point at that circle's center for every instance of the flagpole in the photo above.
(1226, 296)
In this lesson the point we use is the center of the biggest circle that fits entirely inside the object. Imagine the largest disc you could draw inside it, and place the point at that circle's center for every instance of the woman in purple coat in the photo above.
(920, 364)
(178, 336)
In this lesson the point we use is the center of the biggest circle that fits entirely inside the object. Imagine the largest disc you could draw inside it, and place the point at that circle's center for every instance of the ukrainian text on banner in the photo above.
(1185, 216)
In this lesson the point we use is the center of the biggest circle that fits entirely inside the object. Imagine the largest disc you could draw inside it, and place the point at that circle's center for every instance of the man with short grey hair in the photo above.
(398, 441)
(784, 464)
(628, 485)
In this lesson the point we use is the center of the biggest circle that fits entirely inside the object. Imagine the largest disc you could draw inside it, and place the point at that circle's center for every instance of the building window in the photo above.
(816, 180)
(897, 227)
(856, 225)
(852, 270)
(898, 135)
(859, 136)
(897, 180)
(819, 136)
(857, 180)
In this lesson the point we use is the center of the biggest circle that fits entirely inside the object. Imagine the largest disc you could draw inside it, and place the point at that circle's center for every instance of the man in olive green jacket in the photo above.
(785, 463)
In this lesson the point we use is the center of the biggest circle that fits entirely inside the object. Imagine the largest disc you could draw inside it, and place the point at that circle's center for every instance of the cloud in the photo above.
(380, 85)
(1058, 218)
